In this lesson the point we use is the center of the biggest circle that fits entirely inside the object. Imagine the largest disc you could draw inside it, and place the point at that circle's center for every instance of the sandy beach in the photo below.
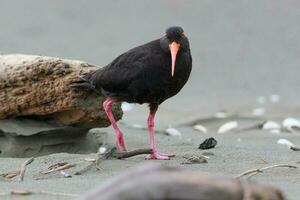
(234, 154)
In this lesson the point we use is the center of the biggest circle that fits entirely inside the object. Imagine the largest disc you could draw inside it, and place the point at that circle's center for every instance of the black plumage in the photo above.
(142, 74)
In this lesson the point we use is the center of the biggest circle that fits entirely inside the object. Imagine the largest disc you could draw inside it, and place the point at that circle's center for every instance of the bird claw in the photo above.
(159, 156)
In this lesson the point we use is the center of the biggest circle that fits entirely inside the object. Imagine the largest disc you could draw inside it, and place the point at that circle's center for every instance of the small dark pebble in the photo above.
(208, 143)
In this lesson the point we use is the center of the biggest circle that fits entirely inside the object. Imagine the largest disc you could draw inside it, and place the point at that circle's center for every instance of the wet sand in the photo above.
(235, 153)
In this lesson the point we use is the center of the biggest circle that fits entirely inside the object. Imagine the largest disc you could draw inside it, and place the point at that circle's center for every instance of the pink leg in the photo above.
(155, 154)
(120, 143)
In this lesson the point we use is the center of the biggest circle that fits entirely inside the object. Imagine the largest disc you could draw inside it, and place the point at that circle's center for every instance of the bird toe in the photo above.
(159, 156)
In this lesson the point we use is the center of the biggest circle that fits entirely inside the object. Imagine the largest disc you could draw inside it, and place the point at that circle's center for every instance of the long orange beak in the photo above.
(174, 47)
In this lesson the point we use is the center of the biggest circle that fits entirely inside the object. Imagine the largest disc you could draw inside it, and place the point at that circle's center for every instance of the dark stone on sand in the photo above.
(208, 143)
(151, 181)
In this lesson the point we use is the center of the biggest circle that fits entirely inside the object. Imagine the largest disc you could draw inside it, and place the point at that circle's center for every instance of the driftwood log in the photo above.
(38, 87)
(37, 100)
(149, 182)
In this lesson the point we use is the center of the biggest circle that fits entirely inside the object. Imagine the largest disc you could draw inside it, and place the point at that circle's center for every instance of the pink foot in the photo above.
(159, 156)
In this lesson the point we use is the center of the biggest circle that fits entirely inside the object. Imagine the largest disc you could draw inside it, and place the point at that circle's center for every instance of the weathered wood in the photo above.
(38, 87)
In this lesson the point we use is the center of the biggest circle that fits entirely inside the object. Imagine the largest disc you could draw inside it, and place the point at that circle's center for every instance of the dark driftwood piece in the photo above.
(122, 155)
(113, 153)
(38, 87)
(149, 182)
(295, 148)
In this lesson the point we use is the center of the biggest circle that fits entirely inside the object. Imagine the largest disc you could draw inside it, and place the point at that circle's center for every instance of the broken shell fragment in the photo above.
(173, 132)
(65, 174)
(102, 150)
(200, 128)
(269, 125)
(228, 127)
(290, 123)
(285, 142)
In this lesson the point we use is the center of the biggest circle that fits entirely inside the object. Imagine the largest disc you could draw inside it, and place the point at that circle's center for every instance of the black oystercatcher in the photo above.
(150, 73)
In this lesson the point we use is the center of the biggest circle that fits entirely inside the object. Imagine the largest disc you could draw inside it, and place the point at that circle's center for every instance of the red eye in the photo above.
(182, 34)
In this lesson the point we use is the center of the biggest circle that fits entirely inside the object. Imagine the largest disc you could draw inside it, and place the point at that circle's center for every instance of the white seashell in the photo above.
(221, 114)
(239, 139)
(200, 128)
(258, 111)
(261, 99)
(228, 127)
(65, 174)
(269, 125)
(274, 98)
(127, 106)
(173, 132)
(102, 150)
(275, 131)
(289, 123)
(285, 142)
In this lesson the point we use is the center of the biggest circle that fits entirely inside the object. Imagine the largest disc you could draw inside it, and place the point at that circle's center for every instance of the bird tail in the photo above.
(84, 83)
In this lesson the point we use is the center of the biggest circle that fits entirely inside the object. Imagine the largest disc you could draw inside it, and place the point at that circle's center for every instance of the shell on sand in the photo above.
(173, 132)
(269, 125)
(285, 142)
(290, 123)
(102, 150)
(228, 127)
(200, 128)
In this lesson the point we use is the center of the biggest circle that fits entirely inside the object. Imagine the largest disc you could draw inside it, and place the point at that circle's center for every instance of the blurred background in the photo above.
(242, 49)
